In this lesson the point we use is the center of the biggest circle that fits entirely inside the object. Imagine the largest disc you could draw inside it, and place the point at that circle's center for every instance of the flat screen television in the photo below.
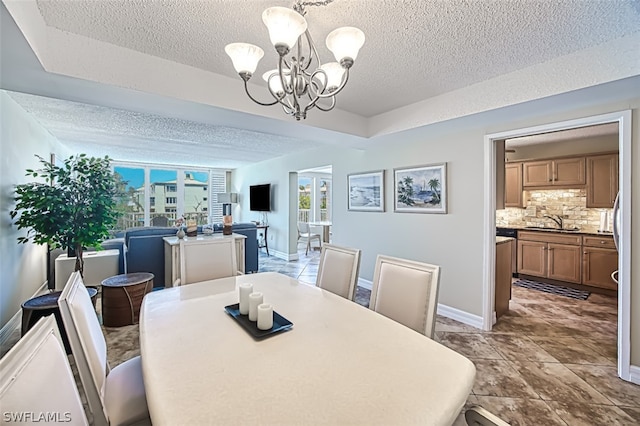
(260, 198)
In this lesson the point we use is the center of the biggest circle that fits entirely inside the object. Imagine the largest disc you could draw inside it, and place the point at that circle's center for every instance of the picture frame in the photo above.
(421, 189)
(366, 191)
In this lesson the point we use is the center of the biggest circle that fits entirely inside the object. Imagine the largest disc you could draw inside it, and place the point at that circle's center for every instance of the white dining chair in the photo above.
(36, 379)
(115, 396)
(407, 292)
(207, 260)
(304, 233)
(338, 270)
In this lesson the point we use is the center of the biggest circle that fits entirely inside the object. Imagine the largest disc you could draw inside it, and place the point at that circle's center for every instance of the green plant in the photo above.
(71, 206)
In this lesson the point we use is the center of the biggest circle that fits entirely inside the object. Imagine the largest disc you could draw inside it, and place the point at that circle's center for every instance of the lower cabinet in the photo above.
(550, 255)
(588, 260)
(599, 261)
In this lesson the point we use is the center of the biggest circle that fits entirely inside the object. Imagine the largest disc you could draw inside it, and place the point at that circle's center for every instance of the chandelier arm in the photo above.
(289, 89)
(313, 52)
(345, 78)
(246, 89)
(333, 104)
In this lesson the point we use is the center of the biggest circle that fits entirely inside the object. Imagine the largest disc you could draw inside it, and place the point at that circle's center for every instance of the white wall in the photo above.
(23, 266)
(454, 240)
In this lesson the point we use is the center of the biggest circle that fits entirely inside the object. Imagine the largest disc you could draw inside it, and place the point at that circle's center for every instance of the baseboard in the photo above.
(284, 256)
(460, 316)
(16, 319)
(634, 374)
(365, 283)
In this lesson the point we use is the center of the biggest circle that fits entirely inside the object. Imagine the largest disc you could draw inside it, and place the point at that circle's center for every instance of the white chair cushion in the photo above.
(125, 398)
(402, 295)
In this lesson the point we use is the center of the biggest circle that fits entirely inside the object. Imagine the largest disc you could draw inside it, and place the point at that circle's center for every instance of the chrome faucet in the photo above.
(557, 219)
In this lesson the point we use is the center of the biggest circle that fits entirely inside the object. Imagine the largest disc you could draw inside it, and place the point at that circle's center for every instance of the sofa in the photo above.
(144, 249)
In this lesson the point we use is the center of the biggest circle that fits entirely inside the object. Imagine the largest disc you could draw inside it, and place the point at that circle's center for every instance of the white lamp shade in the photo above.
(334, 74)
(274, 83)
(284, 25)
(245, 56)
(345, 42)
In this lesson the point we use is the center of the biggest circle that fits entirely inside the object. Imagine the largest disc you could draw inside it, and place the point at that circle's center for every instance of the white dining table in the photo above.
(340, 363)
(326, 230)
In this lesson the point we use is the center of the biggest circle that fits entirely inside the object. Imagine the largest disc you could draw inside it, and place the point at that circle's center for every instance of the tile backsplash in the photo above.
(566, 203)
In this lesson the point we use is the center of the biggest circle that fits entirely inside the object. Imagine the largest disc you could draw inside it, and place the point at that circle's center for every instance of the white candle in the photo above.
(265, 316)
(245, 290)
(255, 299)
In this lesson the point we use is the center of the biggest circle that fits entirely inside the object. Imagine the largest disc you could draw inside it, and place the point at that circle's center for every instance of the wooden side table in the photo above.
(122, 297)
(265, 243)
(47, 304)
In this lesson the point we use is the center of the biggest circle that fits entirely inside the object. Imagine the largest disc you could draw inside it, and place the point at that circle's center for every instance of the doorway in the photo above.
(623, 120)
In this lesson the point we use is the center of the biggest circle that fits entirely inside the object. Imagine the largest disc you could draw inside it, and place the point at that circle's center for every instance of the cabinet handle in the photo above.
(584, 252)
(603, 242)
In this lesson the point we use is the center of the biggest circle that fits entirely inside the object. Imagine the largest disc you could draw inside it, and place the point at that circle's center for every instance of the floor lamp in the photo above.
(227, 198)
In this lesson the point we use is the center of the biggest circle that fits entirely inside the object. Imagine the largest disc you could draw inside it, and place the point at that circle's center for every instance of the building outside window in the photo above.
(147, 193)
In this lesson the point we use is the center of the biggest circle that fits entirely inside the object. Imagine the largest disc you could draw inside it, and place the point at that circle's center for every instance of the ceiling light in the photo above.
(300, 78)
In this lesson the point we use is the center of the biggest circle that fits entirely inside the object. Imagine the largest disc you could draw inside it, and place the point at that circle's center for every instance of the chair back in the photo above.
(35, 378)
(338, 270)
(407, 292)
(303, 228)
(202, 260)
(87, 343)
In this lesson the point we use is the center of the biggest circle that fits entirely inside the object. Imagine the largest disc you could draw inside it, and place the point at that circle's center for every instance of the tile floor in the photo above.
(550, 361)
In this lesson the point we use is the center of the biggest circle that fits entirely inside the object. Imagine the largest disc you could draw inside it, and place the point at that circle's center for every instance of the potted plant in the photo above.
(72, 206)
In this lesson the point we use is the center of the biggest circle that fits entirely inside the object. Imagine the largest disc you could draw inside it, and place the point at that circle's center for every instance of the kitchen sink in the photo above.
(537, 228)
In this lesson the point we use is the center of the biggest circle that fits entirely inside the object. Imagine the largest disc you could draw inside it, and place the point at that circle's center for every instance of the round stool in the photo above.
(47, 304)
(122, 298)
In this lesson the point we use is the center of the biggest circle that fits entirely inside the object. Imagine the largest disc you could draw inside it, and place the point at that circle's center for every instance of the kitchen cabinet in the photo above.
(599, 260)
(602, 180)
(559, 172)
(550, 255)
(513, 185)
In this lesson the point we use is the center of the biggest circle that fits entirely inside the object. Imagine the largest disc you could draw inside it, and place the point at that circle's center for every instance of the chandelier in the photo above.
(301, 81)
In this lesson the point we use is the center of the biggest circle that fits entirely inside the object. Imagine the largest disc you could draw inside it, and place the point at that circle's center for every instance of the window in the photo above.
(195, 189)
(130, 201)
(147, 192)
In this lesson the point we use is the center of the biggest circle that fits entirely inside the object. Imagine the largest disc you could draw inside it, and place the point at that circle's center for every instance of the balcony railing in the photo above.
(132, 220)
(305, 214)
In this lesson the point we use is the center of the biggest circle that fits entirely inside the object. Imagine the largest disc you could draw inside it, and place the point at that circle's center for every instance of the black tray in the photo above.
(280, 323)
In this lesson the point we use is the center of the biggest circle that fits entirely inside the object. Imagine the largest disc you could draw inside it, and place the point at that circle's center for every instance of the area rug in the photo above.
(553, 289)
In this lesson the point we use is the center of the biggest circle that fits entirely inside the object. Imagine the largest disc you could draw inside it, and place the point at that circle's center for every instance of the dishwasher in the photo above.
(513, 233)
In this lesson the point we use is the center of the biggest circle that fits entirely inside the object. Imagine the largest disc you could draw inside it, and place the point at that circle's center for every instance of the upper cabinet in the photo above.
(602, 180)
(513, 185)
(561, 172)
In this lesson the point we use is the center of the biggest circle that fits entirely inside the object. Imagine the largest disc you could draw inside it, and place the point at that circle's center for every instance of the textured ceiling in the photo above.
(414, 49)
(115, 76)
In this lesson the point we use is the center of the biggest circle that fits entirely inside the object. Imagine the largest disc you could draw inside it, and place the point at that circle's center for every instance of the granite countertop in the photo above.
(500, 240)
(585, 231)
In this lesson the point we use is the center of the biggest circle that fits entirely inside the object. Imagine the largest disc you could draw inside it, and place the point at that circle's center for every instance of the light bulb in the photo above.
(284, 25)
(245, 56)
(344, 43)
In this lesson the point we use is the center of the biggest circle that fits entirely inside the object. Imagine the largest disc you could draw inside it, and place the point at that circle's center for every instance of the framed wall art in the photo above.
(366, 191)
(421, 189)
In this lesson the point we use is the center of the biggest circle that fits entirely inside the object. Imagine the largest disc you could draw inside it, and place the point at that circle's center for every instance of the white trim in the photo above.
(623, 118)
(634, 374)
(460, 316)
(282, 255)
(368, 284)
(15, 321)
